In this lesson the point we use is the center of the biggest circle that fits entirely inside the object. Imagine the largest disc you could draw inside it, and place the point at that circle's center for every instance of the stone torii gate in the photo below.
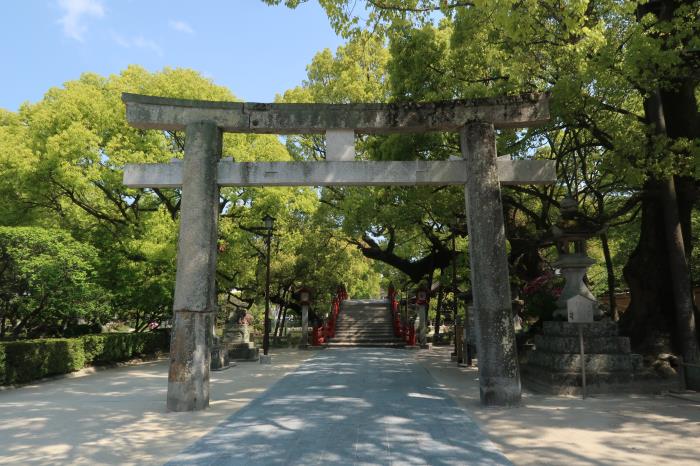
(202, 173)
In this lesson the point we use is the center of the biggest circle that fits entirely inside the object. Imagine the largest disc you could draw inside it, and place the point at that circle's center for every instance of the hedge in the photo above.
(33, 359)
(2, 364)
(111, 347)
(24, 361)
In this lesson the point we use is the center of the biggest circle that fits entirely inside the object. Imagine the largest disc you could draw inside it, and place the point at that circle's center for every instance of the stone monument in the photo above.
(219, 355)
(237, 337)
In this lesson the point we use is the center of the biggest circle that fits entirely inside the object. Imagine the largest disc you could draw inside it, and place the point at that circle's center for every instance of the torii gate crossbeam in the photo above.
(365, 173)
(202, 172)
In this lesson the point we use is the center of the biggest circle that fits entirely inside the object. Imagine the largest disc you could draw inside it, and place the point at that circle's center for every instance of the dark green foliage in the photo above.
(24, 361)
(2, 364)
(110, 347)
(34, 359)
(77, 330)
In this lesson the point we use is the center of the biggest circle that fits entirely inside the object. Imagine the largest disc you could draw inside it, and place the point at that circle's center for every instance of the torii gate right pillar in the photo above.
(499, 374)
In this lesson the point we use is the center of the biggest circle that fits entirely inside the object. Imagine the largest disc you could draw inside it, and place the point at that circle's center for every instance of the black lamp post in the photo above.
(454, 225)
(269, 223)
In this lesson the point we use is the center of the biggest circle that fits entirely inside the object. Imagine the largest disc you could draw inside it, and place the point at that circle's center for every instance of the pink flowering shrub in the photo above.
(540, 296)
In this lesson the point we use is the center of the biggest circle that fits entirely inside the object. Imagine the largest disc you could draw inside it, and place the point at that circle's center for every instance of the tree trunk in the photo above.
(649, 317)
(138, 320)
(438, 310)
(280, 306)
(524, 258)
(284, 321)
(611, 277)
(681, 285)
(277, 322)
(659, 280)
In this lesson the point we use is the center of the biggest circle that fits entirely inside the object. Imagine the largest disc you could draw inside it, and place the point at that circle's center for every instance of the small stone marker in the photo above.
(265, 359)
(579, 309)
(340, 145)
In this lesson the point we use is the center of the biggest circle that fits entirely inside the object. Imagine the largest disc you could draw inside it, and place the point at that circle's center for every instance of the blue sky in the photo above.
(255, 50)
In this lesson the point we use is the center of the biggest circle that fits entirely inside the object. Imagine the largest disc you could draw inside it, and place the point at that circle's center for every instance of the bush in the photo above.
(24, 361)
(2, 364)
(110, 347)
(33, 359)
(540, 296)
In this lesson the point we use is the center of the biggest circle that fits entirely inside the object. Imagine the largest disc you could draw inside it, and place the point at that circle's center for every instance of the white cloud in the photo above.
(138, 42)
(120, 40)
(74, 11)
(181, 26)
(148, 44)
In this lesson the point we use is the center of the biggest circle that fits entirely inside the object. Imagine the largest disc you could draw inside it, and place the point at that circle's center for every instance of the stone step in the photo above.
(359, 328)
(367, 338)
(539, 377)
(559, 362)
(594, 329)
(365, 318)
(364, 326)
(365, 329)
(243, 353)
(355, 312)
(383, 336)
(593, 345)
(354, 331)
(363, 322)
(386, 344)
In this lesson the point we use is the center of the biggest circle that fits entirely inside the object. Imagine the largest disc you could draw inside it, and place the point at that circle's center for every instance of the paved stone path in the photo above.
(349, 406)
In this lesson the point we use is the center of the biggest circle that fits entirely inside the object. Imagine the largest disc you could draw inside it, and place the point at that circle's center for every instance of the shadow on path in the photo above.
(348, 406)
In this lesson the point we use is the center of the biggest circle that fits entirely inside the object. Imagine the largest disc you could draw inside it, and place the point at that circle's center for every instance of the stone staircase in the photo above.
(365, 323)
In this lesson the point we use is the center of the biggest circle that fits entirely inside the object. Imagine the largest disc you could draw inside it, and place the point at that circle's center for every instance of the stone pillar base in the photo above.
(500, 391)
(265, 359)
(219, 358)
(190, 358)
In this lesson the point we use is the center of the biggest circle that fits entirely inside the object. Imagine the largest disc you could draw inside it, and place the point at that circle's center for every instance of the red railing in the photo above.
(395, 313)
(410, 334)
(402, 329)
(321, 334)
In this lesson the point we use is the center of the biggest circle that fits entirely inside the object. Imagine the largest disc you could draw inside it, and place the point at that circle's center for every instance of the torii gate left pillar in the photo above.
(195, 304)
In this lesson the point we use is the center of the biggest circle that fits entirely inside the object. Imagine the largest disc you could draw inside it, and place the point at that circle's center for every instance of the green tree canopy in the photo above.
(48, 281)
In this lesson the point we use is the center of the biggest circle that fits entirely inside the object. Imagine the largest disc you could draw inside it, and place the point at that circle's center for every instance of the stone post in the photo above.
(195, 301)
(499, 374)
(304, 326)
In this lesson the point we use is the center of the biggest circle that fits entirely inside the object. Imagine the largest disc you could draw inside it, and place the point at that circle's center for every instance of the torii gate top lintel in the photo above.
(520, 111)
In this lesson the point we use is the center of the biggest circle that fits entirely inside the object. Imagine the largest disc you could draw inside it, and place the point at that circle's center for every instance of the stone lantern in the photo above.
(422, 312)
(305, 301)
(570, 234)
(574, 346)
